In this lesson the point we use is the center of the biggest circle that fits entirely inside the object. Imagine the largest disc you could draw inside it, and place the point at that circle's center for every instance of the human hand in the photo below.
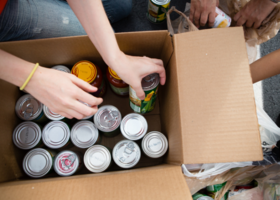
(61, 93)
(132, 69)
(203, 11)
(254, 12)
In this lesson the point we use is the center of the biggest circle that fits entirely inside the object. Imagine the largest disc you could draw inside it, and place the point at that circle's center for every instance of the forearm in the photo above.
(266, 67)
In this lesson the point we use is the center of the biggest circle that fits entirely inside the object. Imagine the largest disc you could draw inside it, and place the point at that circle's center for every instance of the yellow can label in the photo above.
(85, 70)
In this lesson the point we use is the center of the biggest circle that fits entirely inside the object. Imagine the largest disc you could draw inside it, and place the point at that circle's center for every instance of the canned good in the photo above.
(92, 74)
(157, 10)
(154, 144)
(27, 135)
(29, 108)
(84, 134)
(150, 86)
(56, 134)
(126, 154)
(116, 83)
(108, 120)
(67, 163)
(38, 162)
(199, 196)
(134, 126)
(215, 188)
(222, 20)
(62, 68)
(90, 116)
(97, 158)
(51, 115)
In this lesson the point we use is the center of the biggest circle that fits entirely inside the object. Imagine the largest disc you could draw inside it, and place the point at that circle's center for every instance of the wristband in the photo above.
(29, 77)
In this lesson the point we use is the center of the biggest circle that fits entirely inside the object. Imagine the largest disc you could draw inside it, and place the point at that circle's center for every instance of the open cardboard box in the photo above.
(206, 109)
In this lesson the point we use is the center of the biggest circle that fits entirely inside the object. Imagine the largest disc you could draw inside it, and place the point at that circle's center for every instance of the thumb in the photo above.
(139, 91)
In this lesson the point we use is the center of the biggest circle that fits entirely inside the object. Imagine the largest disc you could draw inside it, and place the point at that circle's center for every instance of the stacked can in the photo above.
(52, 115)
(154, 144)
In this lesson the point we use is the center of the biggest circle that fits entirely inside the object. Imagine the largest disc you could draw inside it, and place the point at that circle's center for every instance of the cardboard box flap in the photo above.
(218, 113)
(162, 182)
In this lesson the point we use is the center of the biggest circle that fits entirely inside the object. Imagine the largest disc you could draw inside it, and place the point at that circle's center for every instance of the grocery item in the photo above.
(213, 189)
(150, 86)
(199, 196)
(154, 144)
(222, 20)
(157, 10)
(52, 115)
(118, 86)
(62, 68)
(90, 117)
(134, 126)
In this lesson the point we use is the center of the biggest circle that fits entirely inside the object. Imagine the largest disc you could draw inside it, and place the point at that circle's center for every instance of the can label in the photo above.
(199, 196)
(222, 20)
(67, 163)
(143, 106)
(120, 91)
(157, 13)
(101, 90)
(215, 188)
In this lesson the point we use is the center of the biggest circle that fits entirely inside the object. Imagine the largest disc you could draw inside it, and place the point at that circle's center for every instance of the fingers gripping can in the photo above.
(157, 10)
(150, 86)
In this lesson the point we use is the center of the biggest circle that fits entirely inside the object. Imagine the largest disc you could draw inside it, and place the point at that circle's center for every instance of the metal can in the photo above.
(150, 86)
(67, 163)
(52, 115)
(118, 86)
(29, 108)
(222, 20)
(154, 144)
(199, 196)
(215, 188)
(56, 134)
(157, 10)
(97, 158)
(84, 134)
(38, 162)
(108, 120)
(87, 117)
(134, 126)
(27, 135)
(126, 154)
(62, 68)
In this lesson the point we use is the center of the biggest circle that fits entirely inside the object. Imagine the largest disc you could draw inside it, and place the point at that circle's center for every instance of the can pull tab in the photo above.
(111, 117)
(129, 149)
(28, 111)
(67, 162)
(150, 78)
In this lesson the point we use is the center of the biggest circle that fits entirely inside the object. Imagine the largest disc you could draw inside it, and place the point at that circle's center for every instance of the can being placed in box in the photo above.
(157, 10)
(97, 159)
(67, 163)
(126, 154)
(150, 86)
(27, 135)
(154, 144)
(84, 134)
(134, 126)
(52, 115)
(30, 109)
(107, 120)
(199, 196)
(56, 134)
(62, 68)
(38, 162)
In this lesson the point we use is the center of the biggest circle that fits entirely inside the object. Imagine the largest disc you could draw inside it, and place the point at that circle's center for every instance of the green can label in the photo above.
(199, 196)
(215, 188)
(143, 106)
(120, 91)
(157, 13)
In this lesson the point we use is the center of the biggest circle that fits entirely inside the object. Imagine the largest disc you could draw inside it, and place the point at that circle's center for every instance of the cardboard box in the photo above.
(206, 109)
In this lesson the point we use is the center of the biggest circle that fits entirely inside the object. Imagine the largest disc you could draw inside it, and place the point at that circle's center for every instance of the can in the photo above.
(67, 163)
(215, 188)
(134, 126)
(222, 20)
(126, 154)
(84, 134)
(90, 116)
(108, 119)
(157, 10)
(62, 68)
(56, 134)
(30, 109)
(118, 86)
(52, 115)
(154, 144)
(97, 158)
(38, 162)
(199, 196)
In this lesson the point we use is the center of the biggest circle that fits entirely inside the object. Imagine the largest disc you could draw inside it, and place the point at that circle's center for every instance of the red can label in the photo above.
(68, 163)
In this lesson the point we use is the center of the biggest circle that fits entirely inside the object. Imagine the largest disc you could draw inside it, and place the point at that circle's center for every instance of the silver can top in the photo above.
(150, 82)
(107, 118)
(27, 135)
(37, 163)
(126, 154)
(56, 134)
(160, 2)
(84, 134)
(154, 144)
(97, 158)
(66, 163)
(28, 108)
(134, 126)
(62, 68)
(51, 115)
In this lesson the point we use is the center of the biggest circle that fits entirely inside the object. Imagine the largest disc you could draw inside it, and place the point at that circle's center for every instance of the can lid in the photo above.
(62, 68)
(154, 144)
(56, 134)
(114, 74)
(37, 163)
(134, 126)
(27, 135)
(160, 2)
(28, 108)
(107, 118)
(97, 158)
(51, 115)
(126, 154)
(66, 163)
(85, 70)
(150, 82)
(84, 134)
